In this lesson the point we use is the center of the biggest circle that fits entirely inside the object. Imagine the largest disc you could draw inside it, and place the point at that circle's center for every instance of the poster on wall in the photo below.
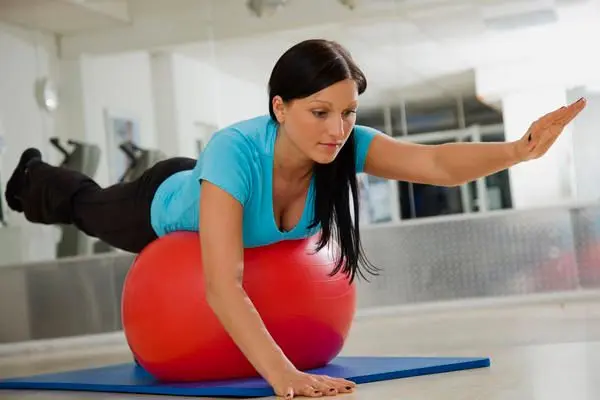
(120, 128)
(375, 199)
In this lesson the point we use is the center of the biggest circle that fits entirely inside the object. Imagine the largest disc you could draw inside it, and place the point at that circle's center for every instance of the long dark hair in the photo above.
(303, 70)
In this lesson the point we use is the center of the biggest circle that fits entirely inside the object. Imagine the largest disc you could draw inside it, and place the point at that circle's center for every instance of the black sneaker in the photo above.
(17, 180)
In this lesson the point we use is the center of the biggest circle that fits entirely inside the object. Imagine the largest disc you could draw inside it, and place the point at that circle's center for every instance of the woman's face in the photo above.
(320, 124)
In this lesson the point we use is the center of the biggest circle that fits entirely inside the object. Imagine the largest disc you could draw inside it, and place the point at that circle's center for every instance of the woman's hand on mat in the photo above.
(294, 383)
(542, 134)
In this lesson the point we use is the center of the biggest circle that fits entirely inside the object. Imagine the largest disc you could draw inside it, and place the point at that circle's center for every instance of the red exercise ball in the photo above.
(175, 336)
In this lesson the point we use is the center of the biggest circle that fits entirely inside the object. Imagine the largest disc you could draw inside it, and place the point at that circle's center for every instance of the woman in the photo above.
(268, 179)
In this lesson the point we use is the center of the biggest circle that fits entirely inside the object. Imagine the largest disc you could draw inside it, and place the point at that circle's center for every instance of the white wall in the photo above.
(120, 85)
(206, 96)
(195, 87)
(239, 99)
(25, 57)
(176, 99)
(173, 96)
(193, 99)
(547, 180)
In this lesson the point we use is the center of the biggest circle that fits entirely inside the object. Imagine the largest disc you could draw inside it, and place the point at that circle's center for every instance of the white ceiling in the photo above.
(408, 48)
(417, 50)
(65, 16)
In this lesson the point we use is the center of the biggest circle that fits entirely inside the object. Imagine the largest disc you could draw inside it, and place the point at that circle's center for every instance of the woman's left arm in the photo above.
(453, 164)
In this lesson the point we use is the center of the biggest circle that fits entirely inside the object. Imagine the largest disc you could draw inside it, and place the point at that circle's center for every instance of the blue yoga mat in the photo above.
(129, 378)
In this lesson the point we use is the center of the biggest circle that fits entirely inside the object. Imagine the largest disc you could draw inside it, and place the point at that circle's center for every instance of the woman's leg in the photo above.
(119, 214)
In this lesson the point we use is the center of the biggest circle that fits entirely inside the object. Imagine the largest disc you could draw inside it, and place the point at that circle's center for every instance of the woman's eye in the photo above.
(349, 113)
(320, 114)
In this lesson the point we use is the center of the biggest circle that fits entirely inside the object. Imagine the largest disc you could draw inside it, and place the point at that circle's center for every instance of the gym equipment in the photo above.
(83, 157)
(175, 336)
(140, 160)
(129, 378)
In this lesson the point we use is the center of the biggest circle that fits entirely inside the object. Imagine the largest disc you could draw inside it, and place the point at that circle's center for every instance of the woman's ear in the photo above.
(279, 108)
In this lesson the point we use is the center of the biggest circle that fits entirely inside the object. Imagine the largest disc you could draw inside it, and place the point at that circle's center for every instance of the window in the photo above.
(434, 122)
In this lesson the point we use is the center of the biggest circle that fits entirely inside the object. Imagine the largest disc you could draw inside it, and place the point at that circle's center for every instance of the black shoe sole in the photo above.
(12, 186)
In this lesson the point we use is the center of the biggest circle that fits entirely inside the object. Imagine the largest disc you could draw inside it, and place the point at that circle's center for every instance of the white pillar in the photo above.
(185, 102)
(164, 102)
(586, 142)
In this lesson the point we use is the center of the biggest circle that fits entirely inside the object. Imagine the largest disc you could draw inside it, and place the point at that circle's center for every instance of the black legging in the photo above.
(118, 215)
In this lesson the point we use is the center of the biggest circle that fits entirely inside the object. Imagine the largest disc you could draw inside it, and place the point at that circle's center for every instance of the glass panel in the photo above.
(419, 200)
(431, 116)
(478, 113)
(373, 118)
(436, 200)
(375, 199)
(498, 184)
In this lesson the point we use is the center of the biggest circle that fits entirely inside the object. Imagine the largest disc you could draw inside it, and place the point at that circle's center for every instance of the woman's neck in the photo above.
(289, 162)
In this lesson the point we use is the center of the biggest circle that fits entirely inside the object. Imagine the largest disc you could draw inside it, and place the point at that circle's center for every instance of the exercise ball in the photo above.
(175, 336)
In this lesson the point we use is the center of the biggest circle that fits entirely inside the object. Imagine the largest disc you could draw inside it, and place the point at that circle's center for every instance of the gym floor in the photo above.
(548, 349)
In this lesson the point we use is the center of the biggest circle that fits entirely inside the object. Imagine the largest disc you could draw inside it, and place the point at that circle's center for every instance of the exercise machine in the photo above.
(82, 157)
(140, 160)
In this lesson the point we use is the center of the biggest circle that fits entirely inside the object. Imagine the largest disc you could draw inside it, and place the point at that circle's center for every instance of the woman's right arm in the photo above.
(222, 257)
(223, 261)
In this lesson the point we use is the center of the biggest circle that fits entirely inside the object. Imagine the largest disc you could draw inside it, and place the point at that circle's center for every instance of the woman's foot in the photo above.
(15, 184)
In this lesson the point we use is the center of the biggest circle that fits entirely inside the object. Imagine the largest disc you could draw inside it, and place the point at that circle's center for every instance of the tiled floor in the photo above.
(541, 351)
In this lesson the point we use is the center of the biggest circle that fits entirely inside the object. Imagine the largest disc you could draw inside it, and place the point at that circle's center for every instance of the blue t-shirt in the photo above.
(239, 159)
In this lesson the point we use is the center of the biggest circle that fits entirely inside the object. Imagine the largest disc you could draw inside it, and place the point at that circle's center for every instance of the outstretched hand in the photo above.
(542, 134)
(293, 383)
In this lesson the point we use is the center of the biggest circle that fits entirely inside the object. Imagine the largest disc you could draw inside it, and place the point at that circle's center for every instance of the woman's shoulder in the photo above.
(365, 131)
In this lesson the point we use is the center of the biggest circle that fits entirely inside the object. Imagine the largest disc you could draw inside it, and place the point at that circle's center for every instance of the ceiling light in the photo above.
(351, 4)
(265, 8)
